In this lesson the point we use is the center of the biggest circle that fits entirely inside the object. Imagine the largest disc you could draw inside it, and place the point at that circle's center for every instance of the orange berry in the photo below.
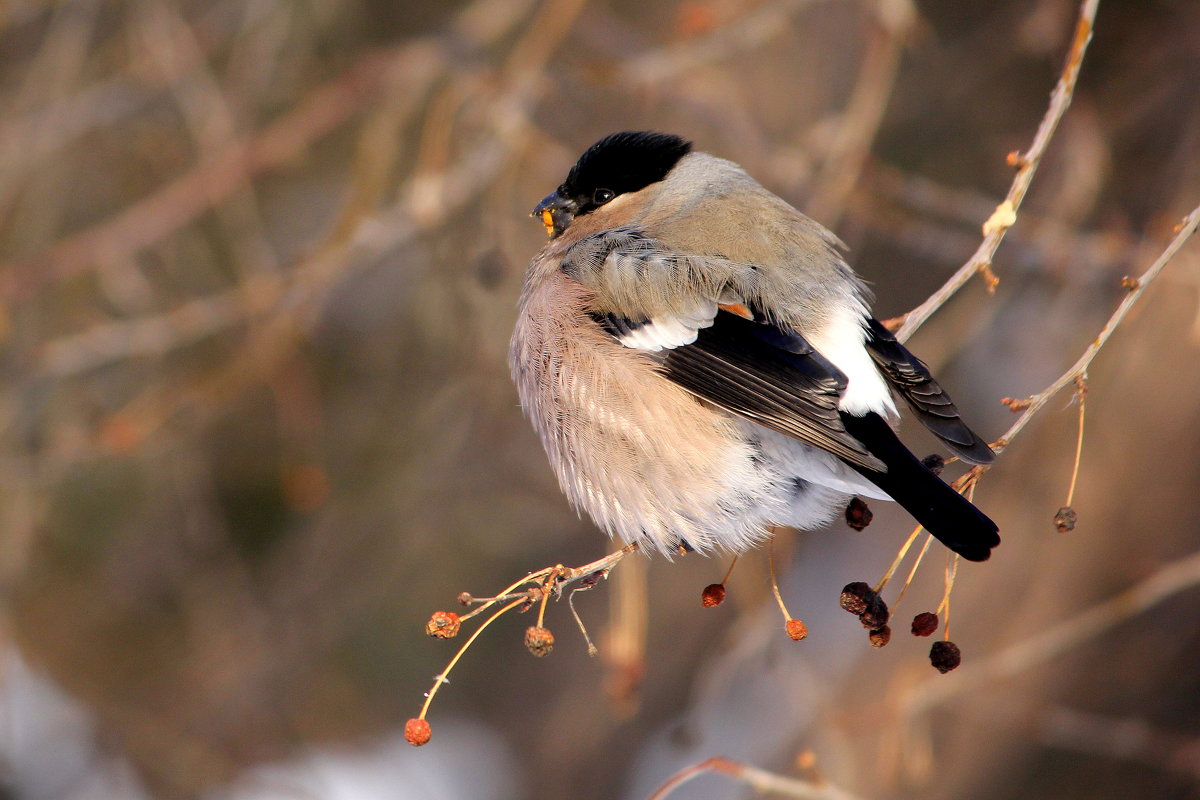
(443, 625)
(417, 731)
(713, 595)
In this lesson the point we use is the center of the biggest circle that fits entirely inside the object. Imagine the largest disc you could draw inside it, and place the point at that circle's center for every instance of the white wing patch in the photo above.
(841, 341)
(665, 333)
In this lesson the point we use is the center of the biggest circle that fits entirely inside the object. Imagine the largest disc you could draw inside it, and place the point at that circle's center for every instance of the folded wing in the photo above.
(912, 380)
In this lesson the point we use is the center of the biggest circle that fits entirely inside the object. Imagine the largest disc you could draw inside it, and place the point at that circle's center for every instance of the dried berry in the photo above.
(945, 656)
(417, 732)
(796, 629)
(443, 625)
(858, 514)
(876, 614)
(464, 599)
(881, 636)
(1065, 519)
(713, 595)
(539, 641)
(856, 597)
(934, 463)
(924, 624)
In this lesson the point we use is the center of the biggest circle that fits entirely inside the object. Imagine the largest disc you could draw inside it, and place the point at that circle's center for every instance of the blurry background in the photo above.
(259, 268)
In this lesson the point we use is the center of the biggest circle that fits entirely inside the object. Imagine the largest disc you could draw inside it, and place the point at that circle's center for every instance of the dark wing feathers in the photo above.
(776, 379)
(929, 402)
(771, 377)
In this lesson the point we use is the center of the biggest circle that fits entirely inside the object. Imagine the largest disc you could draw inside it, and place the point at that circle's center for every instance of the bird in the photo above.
(702, 365)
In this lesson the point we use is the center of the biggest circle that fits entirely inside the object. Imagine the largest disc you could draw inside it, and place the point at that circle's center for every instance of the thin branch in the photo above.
(1005, 214)
(755, 778)
(1081, 393)
(1137, 288)
(749, 32)
(599, 568)
(150, 334)
(624, 653)
(787, 615)
(859, 123)
(548, 580)
(423, 206)
(1130, 739)
(209, 182)
(1142, 596)
(211, 120)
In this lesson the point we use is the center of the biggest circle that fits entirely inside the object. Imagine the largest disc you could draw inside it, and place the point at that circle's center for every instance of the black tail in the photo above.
(944, 512)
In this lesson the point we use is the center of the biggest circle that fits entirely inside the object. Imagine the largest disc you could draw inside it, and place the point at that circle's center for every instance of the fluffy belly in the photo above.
(643, 457)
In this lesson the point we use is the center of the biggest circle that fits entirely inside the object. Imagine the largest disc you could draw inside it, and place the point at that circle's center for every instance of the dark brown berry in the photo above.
(876, 614)
(934, 463)
(881, 636)
(858, 514)
(924, 624)
(539, 641)
(945, 656)
(796, 629)
(443, 625)
(1065, 519)
(417, 732)
(856, 597)
(713, 595)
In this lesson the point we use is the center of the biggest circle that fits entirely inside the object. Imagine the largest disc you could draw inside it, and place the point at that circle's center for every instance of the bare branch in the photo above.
(1005, 214)
(1142, 596)
(211, 181)
(757, 779)
(751, 31)
(859, 123)
(1137, 288)
(1121, 738)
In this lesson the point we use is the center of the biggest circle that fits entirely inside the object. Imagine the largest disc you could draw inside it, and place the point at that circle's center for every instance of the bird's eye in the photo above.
(602, 196)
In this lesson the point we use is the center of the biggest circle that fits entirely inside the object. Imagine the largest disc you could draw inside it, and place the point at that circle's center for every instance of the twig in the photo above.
(211, 119)
(755, 778)
(775, 581)
(563, 577)
(728, 572)
(1081, 393)
(600, 567)
(751, 31)
(212, 180)
(550, 580)
(859, 123)
(913, 572)
(592, 650)
(943, 609)
(1137, 288)
(1130, 739)
(624, 653)
(1005, 214)
(1142, 596)
(443, 676)
(887, 576)
(160, 214)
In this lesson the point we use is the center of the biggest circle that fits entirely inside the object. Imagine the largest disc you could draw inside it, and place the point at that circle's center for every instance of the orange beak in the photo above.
(555, 212)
